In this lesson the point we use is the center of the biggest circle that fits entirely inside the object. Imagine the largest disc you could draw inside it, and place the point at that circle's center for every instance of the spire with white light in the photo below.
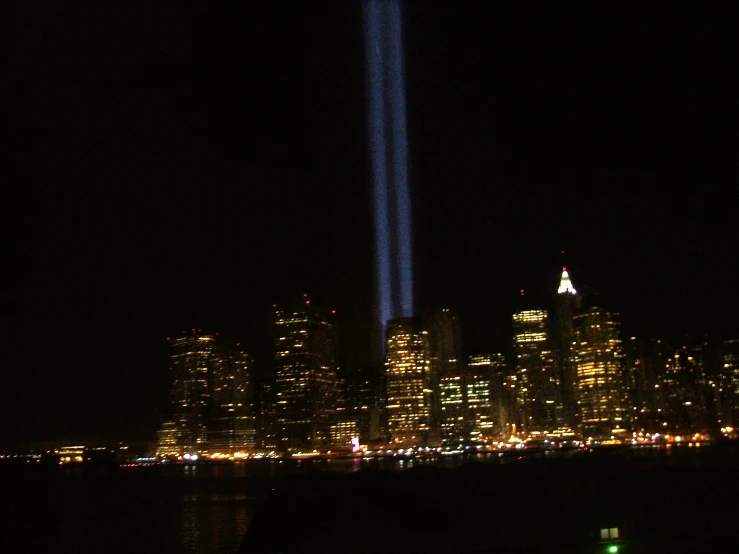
(565, 285)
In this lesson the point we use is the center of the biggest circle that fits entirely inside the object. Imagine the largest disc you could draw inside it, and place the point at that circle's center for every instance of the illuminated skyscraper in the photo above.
(267, 424)
(232, 420)
(729, 384)
(365, 396)
(645, 363)
(536, 383)
(168, 438)
(409, 394)
(449, 396)
(306, 381)
(688, 395)
(565, 307)
(188, 427)
(602, 383)
(486, 411)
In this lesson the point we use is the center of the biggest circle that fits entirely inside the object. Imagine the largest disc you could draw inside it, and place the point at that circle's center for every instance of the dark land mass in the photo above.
(681, 501)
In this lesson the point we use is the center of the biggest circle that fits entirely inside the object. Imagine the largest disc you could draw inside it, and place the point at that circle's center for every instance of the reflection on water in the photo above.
(228, 522)
(190, 524)
(174, 509)
(204, 509)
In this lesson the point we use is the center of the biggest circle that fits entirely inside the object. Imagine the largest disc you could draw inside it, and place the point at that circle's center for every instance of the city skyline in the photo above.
(166, 183)
(575, 377)
(204, 364)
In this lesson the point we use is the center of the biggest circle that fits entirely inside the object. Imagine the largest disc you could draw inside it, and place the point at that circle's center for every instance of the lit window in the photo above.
(609, 533)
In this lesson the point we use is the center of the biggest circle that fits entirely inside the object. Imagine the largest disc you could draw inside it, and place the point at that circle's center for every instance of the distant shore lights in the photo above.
(389, 155)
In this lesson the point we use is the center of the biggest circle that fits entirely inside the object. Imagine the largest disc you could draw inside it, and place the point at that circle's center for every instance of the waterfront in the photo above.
(177, 508)
(183, 509)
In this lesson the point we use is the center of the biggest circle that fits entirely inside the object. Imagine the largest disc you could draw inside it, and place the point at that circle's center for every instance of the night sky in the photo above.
(177, 165)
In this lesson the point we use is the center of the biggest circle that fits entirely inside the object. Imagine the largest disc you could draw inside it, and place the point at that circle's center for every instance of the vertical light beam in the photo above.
(388, 143)
(378, 154)
(395, 90)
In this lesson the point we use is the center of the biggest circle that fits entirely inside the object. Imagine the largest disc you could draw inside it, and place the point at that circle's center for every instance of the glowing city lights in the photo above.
(565, 284)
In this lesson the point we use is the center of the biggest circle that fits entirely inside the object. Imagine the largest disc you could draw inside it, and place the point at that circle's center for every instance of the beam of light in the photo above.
(395, 90)
(378, 150)
(388, 143)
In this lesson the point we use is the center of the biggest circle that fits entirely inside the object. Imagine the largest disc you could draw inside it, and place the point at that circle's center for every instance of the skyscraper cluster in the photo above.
(571, 373)
(211, 406)
(578, 373)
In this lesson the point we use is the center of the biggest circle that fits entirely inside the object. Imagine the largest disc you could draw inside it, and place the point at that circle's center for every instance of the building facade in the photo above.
(687, 390)
(409, 382)
(306, 377)
(565, 307)
(232, 425)
(186, 430)
(536, 383)
(729, 384)
(212, 407)
(448, 382)
(365, 398)
(603, 386)
(645, 364)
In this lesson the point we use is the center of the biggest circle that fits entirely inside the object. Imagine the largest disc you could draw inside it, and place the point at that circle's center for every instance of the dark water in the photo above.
(203, 509)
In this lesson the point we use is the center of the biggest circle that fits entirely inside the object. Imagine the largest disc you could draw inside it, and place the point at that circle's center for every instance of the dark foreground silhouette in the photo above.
(678, 503)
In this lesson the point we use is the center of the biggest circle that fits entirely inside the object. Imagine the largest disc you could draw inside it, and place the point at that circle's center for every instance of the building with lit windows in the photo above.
(452, 392)
(71, 454)
(364, 400)
(565, 307)
(603, 386)
(231, 427)
(343, 430)
(188, 425)
(481, 409)
(168, 439)
(408, 381)
(687, 390)
(486, 412)
(268, 429)
(729, 384)
(645, 364)
(448, 385)
(306, 379)
(536, 383)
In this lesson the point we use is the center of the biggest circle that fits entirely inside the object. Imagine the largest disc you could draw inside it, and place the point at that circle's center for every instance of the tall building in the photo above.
(448, 384)
(186, 431)
(536, 383)
(267, 425)
(168, 437)
(408, 381)
(231, 425)
(603, 388)
(306, 379)
(687, 390)
(645, 363)
(365, 396)
(729, 384)
(565, 308)
(486, 407)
